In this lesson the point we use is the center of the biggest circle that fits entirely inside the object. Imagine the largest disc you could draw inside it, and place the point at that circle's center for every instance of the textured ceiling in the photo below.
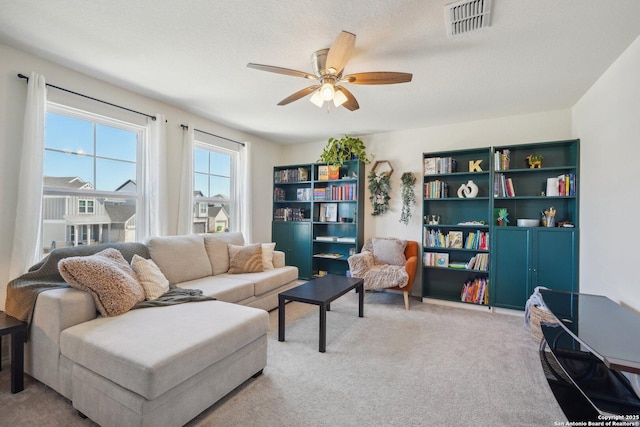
(537, 55)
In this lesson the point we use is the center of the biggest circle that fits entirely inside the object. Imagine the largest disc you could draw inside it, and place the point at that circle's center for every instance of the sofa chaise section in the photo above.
(150, 367)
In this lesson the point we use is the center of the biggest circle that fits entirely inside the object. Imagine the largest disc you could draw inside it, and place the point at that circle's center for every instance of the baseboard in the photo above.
(476, 307)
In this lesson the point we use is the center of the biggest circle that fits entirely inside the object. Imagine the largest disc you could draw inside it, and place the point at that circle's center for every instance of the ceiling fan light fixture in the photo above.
(327, 91)
(339, 98)
(316, 98)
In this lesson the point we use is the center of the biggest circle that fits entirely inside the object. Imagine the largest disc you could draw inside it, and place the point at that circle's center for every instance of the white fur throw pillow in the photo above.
(245, 259)
(267, 255)
(389, 251)
(154, 283)
(107, 276)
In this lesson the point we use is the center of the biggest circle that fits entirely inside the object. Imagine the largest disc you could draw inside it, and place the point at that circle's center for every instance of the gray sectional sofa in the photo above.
(159, 366)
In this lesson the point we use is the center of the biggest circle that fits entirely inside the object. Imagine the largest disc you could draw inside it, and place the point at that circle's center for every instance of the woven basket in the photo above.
(537, 316)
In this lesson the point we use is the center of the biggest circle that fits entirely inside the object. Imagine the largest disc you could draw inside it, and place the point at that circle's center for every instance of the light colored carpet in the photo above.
(432, 365)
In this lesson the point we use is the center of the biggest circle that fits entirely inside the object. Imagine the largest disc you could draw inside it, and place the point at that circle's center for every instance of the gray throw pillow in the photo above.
(389, 251)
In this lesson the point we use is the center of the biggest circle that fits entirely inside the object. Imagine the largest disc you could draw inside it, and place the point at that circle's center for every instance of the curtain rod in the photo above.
(22, 76)
(185, 127)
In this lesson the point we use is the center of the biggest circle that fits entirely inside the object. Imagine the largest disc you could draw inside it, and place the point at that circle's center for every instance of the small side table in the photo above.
(12, 326)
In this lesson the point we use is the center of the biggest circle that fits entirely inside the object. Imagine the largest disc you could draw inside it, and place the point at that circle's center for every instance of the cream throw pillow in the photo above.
(107, 276)
(267, 256)
(154, 283)
(245, 259)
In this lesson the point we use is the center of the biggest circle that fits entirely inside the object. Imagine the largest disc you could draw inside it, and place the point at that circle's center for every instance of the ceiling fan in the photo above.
(328, 65)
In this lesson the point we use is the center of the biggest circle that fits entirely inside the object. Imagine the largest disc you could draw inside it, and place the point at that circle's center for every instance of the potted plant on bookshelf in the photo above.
(502, 217)
(338, 151)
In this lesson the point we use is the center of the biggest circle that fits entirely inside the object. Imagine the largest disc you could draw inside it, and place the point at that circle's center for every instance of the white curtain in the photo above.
(185, 205)
(27, 239)
(156, 208)
(245, 199)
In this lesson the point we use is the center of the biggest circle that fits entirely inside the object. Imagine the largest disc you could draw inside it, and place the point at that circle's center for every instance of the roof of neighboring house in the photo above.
(214, 210)
(120, 213)
(66, 182)
(129, 182)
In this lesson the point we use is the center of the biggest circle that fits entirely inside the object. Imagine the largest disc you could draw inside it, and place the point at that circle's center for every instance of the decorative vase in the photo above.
(468, 190)
(471, 189)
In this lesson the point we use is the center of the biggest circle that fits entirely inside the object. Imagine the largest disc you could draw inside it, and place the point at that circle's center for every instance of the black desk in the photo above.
(320, 292)
(596, 340)
(15, 328)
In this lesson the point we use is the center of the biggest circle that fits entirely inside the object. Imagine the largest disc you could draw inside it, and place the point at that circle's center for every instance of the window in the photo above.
(90, 174)
(85, 206)
(214, 185)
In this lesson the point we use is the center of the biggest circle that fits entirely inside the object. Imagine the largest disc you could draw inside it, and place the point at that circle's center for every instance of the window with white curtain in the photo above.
(215, 185)
(91, 176)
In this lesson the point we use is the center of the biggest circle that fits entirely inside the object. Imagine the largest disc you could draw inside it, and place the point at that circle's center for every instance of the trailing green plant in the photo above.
(379, 187)
(408, 196)
(338, 151)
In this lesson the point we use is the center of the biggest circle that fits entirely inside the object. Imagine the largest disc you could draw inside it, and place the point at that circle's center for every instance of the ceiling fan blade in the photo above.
(377, 78)
(280, 70)
(299, 94)
(340, 51)
(350, 104)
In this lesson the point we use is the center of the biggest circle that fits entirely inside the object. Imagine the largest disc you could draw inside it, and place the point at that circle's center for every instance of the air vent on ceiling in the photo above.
(466, 15)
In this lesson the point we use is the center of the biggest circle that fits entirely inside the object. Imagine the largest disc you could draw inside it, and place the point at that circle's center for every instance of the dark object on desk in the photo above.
(15, 328)
(590, 347)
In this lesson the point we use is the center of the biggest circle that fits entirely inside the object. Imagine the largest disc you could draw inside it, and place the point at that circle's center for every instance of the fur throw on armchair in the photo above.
(370, 266)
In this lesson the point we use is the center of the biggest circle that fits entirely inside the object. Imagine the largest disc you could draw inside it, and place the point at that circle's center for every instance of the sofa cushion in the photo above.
(267, 255)
(267, 280)
(225, 287)
(154, 283)
(245, 259)
(180, 258)
(218, 251)
(389, 251)
(107, 276)
(166, 349)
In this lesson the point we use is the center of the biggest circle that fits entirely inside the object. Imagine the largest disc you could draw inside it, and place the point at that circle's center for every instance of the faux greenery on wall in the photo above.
(408, 196)
(379, 187)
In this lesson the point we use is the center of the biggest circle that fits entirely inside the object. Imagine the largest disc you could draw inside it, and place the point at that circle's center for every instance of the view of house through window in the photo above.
(214, 189)
(90, 175)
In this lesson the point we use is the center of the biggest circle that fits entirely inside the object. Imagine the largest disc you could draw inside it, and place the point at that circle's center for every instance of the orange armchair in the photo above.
(380, 275)
(411, 254)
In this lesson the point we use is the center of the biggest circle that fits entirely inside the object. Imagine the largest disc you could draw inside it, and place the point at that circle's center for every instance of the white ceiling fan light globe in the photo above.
(339, 98)
(316, 99)
(327, 91)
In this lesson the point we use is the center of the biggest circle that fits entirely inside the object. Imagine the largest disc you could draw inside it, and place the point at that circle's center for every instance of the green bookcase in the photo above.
(319, 232)
(520, 258)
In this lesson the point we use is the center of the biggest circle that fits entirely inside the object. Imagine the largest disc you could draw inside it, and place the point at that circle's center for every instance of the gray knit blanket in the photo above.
(23, 291)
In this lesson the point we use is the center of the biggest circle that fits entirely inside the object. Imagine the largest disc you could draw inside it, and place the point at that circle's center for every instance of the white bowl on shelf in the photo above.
(527, 222)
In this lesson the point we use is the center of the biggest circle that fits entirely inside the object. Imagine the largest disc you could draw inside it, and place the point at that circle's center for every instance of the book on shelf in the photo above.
(436, 165)
(346, 239)
(334, 172)
(458, 265)
(326, 238)
(323, 173)
(442, 260)
(328, 255)
(436, 189)
(319, 193)
(502, 160)
(476, 291)
(455, 239)
(503, 186)
(303, 194)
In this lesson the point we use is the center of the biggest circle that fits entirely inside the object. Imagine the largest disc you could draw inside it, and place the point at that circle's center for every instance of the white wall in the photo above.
(12, 101)
(607, 120)
(404, 151)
